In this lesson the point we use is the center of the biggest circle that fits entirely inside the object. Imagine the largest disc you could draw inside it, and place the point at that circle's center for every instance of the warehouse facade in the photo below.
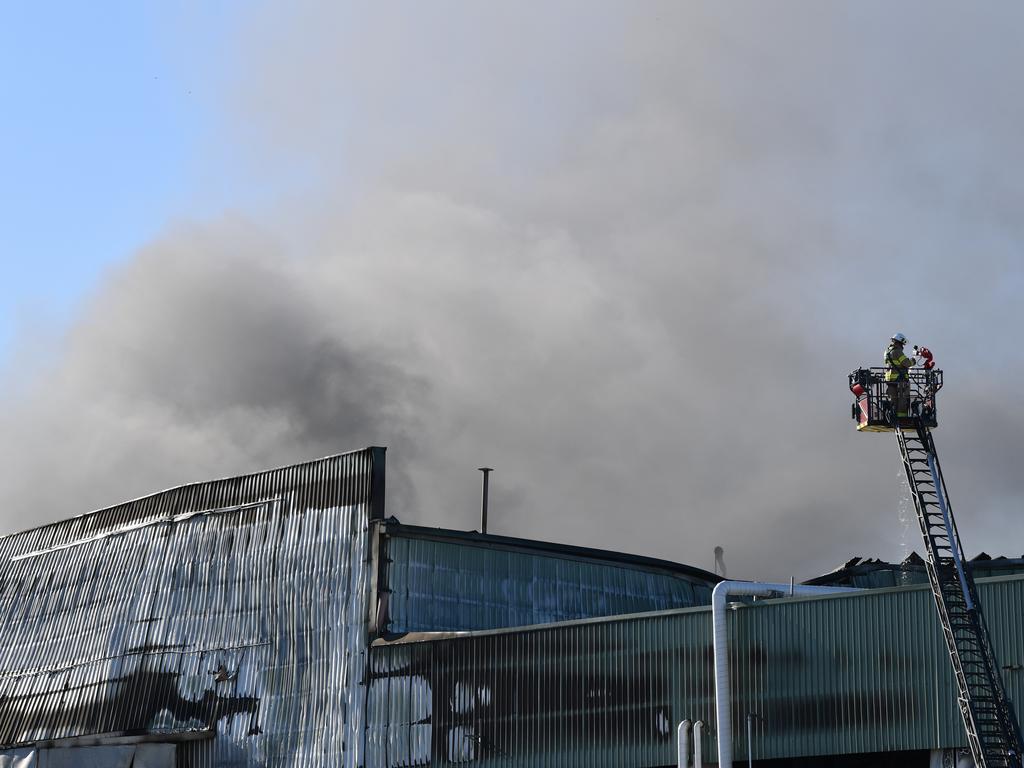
(281, 619)
(226, 621)
(862, 674)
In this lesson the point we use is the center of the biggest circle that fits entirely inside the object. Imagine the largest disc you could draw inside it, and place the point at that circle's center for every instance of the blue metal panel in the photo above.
(436, 584)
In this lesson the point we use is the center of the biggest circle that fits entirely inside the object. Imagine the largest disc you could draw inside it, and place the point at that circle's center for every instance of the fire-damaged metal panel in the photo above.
(130, 756)
(853, 673)
(875, 574)
(444, 580)
(229, 617)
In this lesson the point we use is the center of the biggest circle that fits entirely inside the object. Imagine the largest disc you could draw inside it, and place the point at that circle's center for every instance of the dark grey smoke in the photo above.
(203, 356)
(626, 254)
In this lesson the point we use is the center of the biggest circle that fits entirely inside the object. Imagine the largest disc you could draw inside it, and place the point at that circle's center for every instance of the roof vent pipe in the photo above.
(723, 701)
(483, 499)
(683, 744)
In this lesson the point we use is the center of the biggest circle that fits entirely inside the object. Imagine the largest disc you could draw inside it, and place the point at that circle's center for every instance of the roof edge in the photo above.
(183, 486)
(475, 538)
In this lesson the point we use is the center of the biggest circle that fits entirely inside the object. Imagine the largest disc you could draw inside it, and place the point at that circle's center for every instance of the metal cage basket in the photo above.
(883, 405)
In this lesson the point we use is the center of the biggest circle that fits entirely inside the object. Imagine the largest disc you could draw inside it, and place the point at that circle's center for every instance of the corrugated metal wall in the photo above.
(436, 585)
(865, 672)
(239, 610)
(237, 606)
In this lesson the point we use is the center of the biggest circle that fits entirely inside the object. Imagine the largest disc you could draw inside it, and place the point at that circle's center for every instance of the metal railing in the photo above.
(875, 395)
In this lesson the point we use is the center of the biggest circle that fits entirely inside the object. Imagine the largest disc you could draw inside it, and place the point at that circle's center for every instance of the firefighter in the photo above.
(897, 377)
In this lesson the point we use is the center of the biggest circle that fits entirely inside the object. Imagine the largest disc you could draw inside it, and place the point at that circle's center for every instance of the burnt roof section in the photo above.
(489, 540)
(304, 484)
(983, 565)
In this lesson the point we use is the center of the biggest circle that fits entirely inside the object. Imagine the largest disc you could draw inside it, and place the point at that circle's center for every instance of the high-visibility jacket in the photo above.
(896, 363)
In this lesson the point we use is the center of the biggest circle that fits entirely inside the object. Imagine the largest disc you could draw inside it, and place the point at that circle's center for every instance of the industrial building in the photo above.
(284, 619)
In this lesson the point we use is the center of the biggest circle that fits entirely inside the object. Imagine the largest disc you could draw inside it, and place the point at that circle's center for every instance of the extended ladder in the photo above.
(988, 719)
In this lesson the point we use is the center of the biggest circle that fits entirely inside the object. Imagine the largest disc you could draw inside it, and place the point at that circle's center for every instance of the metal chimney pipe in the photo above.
(683, 744)
(483, 500)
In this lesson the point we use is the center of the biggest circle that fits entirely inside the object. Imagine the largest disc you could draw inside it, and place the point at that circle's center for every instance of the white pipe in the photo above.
(750, 725)
(698, 757)
(683, 741)
(723, 700)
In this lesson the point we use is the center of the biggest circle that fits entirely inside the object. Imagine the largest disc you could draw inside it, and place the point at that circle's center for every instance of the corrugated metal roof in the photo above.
(236, 609)
(864, 672)
(438, 581)
(875, 574)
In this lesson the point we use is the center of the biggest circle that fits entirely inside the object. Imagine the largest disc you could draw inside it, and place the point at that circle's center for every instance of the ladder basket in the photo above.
(877, 399)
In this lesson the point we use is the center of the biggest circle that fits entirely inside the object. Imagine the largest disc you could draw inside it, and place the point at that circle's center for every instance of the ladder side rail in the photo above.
(934, 456)
(935, 581)
(1006, 715)
(1004, 707)
(992, 746)
(967, 715)
(931, 564)
(983, 748)
(953, 535)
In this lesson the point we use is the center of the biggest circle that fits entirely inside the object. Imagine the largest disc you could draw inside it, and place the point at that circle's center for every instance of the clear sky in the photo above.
(98, 140)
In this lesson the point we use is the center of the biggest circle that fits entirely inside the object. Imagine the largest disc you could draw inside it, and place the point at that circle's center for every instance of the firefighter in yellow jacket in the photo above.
(897, 365)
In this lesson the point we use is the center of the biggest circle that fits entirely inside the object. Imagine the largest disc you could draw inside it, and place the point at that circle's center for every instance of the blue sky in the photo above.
(99, 142)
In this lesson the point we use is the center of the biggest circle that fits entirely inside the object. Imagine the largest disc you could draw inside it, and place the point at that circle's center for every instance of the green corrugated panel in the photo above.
(837, 675)
(865, 672)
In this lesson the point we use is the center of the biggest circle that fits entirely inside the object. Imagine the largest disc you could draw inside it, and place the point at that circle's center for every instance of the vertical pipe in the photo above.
(720, 635)
(683, 742)
(483, 500)
(750, 727)
(698, 756)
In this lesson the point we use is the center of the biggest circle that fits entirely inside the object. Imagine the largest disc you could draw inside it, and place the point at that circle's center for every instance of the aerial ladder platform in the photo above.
(992, 731)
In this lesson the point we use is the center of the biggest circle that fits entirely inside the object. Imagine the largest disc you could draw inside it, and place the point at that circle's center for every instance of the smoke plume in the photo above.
(624, 253)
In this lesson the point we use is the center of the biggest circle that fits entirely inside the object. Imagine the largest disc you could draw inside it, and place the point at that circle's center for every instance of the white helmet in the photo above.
(899, 338)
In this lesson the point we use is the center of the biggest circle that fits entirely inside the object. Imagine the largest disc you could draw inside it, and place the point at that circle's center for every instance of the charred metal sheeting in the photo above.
(141, 756)
(873, 574)
(441, 580)
(235, 609)
(857, 673)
